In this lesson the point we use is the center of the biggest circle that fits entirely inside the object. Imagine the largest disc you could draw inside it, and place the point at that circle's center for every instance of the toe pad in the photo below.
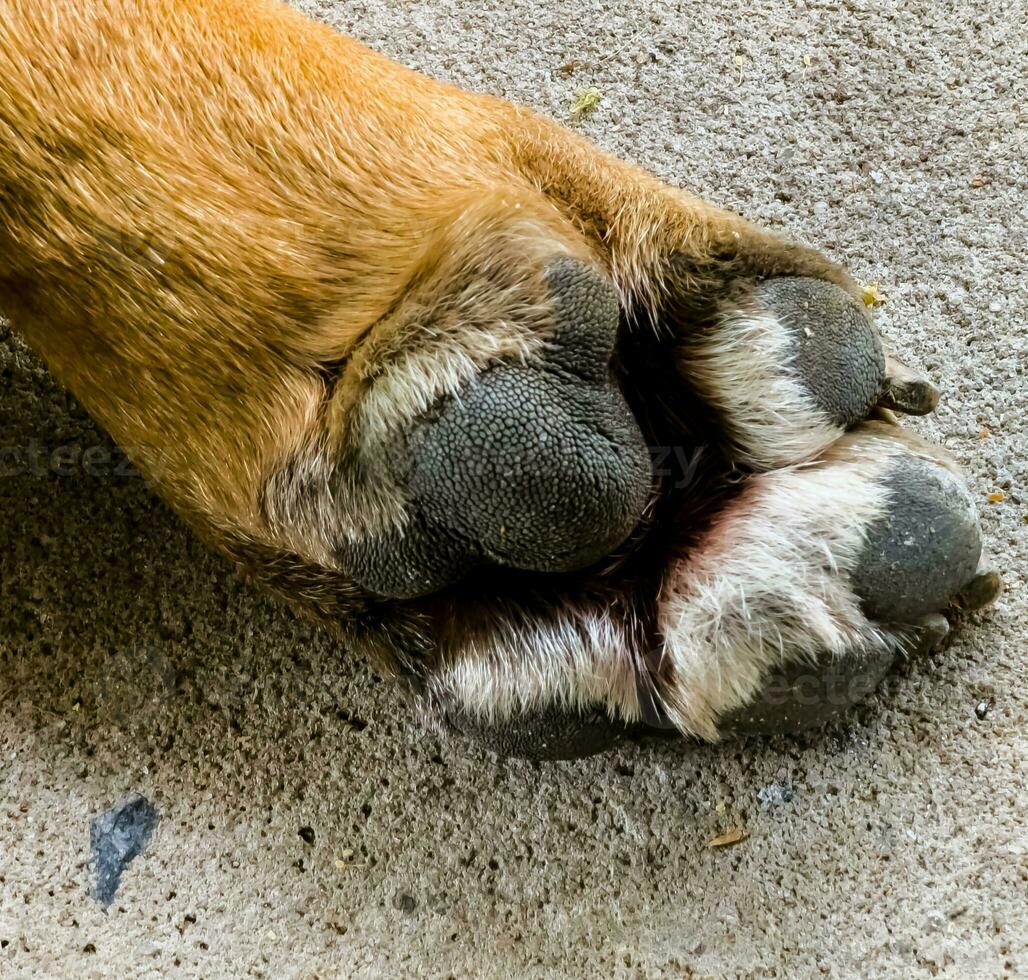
(541, 472)
(837, 354)
(924, 550)
(536, 465)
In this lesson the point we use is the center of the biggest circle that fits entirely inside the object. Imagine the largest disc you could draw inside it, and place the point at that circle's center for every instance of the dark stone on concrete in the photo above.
(404, 903)
(116, 837)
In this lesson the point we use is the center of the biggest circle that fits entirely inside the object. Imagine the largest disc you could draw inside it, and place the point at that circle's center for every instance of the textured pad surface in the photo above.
(837, 353)
(917, 559)
(541, 471)
(803, 696)
(516, 869)
(925, 551)
(539, 467)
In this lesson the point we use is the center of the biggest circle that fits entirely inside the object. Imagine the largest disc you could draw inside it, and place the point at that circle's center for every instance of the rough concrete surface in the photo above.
(308, 830)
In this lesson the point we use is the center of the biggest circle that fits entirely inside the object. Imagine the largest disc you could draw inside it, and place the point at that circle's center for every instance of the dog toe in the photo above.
(538, 471)
(925, 550)
(835, 352)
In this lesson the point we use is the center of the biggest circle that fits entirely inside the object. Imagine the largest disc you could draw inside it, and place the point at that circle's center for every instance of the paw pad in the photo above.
(539, 467)
(836, 353)
(924, 550)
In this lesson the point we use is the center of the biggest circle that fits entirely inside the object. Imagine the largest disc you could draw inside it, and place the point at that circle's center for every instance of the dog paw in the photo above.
(924, 551)
(920, 558)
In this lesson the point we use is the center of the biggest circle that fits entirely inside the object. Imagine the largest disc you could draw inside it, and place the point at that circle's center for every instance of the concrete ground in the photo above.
(306, 829)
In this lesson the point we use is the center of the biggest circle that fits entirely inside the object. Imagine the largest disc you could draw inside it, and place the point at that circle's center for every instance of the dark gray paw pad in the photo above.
(919, 558)
(537, 467)
(802, 696)
(587, 314)
(421, 559)
(836, 352)
(924, 552)
(549, 734)
(539, 470)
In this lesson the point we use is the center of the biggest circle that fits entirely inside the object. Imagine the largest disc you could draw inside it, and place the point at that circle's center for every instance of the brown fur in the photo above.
(222, 225)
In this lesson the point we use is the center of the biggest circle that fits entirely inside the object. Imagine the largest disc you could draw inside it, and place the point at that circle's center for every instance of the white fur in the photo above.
(768, 585)
(742, 367)
(574, 659)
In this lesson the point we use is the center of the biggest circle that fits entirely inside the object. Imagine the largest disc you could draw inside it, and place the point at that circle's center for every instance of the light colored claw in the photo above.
(907, 391)
(981, 591)
(931, 631)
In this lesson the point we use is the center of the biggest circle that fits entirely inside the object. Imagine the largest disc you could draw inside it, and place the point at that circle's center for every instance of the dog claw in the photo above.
(907, 391)
(932, 630)
(981, 591)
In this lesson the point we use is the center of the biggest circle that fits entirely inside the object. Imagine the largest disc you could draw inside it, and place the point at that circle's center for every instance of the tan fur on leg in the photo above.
(217, 226)
(668, 250)
(475, 296)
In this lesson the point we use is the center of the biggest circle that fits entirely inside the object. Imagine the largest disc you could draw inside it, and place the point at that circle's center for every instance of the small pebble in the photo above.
(981, 709)
(775, 795)
(935, 921)
(404, 903)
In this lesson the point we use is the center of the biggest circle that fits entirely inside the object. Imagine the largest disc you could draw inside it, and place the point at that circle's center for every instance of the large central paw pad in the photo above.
(539, 467)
